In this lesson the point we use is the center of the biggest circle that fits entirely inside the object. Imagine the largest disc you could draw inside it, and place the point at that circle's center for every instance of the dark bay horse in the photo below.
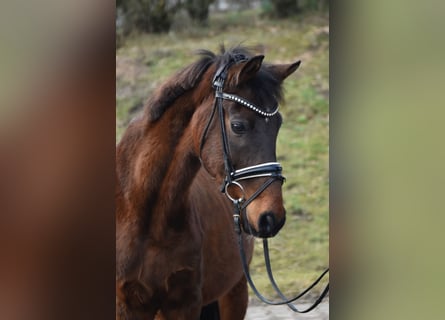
(176, 248)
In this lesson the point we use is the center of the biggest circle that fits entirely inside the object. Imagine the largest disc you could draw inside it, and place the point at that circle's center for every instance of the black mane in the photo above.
(264, 83)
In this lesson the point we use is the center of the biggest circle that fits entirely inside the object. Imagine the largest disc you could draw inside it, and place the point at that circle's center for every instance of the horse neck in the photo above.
(156, 165)
(170, 213)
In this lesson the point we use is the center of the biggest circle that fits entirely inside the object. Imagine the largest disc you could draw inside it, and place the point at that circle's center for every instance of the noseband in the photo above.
(271, 170)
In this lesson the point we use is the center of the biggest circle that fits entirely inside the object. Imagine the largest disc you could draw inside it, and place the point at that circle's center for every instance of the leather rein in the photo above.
(270, 169)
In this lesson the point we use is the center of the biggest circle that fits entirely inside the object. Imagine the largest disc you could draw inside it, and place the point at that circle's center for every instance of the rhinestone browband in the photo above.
(246, 103)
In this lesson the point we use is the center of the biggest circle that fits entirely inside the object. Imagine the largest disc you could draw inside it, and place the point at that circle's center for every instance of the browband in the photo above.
(246, 103)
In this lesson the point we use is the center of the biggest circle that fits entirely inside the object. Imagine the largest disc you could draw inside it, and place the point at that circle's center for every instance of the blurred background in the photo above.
(157, 38)
(58, 134)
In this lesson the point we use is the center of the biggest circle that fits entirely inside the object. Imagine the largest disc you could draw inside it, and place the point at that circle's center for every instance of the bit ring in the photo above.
(234, 200)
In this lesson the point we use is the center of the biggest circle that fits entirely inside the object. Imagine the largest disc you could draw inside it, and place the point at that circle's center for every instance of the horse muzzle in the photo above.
(268, 222)
(268, 225)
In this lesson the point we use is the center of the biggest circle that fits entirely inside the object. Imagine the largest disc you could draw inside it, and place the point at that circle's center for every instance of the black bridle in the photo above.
(271, 170)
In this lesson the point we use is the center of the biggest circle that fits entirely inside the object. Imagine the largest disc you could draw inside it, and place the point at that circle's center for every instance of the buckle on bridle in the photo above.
(220, 77)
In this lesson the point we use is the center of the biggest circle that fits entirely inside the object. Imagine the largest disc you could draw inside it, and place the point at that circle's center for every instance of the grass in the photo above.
(300, 251)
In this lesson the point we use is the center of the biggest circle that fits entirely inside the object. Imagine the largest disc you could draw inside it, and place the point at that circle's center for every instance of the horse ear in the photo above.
(246, 70)
(282, 71)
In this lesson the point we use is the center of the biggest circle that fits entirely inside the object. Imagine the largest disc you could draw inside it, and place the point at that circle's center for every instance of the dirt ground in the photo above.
(257, 311)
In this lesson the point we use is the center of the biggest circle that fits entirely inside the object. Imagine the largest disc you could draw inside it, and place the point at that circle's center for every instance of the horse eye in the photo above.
(238, 127)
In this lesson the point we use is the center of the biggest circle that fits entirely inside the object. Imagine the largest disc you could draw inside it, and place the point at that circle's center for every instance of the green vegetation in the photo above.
(300, 251)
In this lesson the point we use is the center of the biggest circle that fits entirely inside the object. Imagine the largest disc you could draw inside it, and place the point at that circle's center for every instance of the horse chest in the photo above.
(165, 266)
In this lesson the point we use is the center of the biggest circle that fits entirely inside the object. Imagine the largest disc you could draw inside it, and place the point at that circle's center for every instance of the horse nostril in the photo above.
(266, 224)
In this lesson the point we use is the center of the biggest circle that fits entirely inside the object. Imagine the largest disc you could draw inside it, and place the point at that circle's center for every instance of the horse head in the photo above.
(236, 133)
